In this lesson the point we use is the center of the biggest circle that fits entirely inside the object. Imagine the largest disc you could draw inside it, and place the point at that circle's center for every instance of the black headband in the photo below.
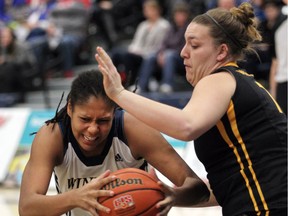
(234, 40)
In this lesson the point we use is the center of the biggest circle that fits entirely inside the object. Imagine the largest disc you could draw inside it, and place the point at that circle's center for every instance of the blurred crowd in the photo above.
(41, 39)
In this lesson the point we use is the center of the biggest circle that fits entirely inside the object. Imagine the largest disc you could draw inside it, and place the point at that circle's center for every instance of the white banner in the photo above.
(12, 123)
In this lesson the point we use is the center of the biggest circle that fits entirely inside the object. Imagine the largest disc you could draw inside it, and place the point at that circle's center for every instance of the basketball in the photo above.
(135, 193)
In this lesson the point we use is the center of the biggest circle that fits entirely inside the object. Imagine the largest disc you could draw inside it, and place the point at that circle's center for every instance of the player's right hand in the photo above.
(87, 196)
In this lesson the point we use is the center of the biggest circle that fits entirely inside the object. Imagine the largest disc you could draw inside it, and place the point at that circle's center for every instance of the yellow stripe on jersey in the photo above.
(224, 135)
(232, 119)
(245, 73)
(276, 104)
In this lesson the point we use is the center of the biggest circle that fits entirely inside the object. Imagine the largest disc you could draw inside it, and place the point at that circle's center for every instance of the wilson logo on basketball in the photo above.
(123, 202)
(121, 182)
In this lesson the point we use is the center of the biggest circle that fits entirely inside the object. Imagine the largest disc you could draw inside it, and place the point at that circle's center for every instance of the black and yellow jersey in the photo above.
(245, 154)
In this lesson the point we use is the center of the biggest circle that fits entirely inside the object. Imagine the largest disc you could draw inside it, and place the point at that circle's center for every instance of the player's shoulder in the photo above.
(50, 140)
(52, 131)
(221, 79)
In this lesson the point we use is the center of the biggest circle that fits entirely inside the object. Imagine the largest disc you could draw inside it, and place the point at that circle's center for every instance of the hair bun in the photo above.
(244, 13)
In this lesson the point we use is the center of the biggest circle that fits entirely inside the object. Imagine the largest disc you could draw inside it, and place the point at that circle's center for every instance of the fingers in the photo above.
(94, 204)
(104, 61)
(101, 64)
(164, 206)
(102, 180)
(112, 80)
(95, 188)
(95, 207)
(103, 54)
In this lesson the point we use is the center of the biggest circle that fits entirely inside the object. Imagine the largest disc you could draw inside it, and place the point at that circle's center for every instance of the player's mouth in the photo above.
(90, 139)
(187, 66)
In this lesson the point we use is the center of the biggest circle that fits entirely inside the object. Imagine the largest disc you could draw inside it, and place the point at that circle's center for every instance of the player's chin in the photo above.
(88, 148)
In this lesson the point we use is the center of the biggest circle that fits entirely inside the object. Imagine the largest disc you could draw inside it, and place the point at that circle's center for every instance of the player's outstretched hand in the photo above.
(112, 80)
(87, 196)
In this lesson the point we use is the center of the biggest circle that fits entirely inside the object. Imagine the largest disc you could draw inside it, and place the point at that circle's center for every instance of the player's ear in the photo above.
(69, 109)
(222, 52)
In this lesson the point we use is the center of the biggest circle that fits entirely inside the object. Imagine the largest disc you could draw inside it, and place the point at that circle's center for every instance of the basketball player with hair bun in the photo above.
(239, 130)
(89, 138)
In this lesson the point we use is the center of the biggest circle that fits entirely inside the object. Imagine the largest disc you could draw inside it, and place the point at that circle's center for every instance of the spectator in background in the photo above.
(226, 4)
(195, 7)
(113, 19)
(167, 59)
(58, 28)
(258, 9)
(67, 32)
(147, 39)
(223, 3)
(102, 16)
(279, 67)
(37, 24)
(3, 15)
(37, 21)
(15, 59)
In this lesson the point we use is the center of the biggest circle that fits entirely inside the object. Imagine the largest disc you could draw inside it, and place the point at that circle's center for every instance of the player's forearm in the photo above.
(192, 192)
(156, 114)
(47, 205)
(211, 202)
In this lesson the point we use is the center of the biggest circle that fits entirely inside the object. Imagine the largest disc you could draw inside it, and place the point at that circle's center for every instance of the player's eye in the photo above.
(103, 121)
(84, 119)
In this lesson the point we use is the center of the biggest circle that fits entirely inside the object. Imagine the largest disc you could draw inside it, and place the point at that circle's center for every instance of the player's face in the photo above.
(199, 53)
(91, 123)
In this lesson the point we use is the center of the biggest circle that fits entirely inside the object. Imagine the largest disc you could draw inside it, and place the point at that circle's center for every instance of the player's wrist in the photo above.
(72, 199)
(117, 95)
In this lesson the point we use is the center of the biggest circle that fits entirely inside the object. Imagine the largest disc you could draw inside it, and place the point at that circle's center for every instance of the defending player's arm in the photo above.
(211, 97)
(148, 143)
(46, 153)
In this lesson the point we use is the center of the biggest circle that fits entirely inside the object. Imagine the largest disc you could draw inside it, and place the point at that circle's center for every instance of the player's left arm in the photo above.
(148, 143)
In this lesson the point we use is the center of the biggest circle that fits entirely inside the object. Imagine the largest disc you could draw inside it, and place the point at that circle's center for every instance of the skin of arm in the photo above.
(210, 100)
(272, 82)
(152, 146)
(47, 152)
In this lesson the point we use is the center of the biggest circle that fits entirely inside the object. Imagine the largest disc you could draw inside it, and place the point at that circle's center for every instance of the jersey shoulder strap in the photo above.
(229, 69)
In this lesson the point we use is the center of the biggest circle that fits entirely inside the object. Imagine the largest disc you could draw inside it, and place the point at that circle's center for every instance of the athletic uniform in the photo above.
(77, 170)
(245, 154)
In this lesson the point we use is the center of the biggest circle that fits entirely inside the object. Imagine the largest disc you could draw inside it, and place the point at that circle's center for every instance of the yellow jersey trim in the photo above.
(232, 118)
